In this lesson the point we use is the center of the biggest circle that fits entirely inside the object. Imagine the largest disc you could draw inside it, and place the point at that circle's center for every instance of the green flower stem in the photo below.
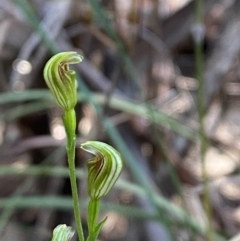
(69, 120)
(61, 81)
(93, 211)
(94, 228)
(198, 36)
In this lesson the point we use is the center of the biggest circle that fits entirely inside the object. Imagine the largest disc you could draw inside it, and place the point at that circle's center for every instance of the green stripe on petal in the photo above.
(62, 233)
(61, 80)
(104, 169)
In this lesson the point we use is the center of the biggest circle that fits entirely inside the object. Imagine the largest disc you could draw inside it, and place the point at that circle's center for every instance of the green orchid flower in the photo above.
(61, 80)
(104, 169)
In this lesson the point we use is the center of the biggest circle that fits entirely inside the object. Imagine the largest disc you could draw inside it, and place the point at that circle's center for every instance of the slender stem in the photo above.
(69, 120)
(93, 211)
(198, 47)
(203, 150)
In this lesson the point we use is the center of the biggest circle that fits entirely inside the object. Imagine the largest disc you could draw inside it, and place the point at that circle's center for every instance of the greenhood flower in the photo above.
(61, 80)
(62, 233)
(103, 170)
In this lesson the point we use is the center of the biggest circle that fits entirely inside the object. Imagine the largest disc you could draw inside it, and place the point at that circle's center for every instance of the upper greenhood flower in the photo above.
(103, 170)
(61, 80)
(62, 233)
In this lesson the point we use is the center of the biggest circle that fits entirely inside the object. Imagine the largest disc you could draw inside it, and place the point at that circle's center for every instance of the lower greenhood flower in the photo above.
(62, 233)
(61, 80)
(103, 170)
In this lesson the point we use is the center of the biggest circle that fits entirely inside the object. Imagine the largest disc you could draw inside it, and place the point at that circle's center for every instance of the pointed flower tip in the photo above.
(104, 169)
(61, 80)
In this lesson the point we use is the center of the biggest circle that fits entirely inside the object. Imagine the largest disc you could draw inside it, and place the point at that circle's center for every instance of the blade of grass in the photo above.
(128, 106)
(64, 203)
(171, 170)
(8, 211)
(24, 110)
(178, 215)
(198, 36)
